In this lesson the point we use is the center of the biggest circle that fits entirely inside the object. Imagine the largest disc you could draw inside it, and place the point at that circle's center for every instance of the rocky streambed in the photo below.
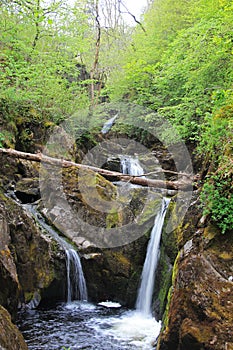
(193, 297)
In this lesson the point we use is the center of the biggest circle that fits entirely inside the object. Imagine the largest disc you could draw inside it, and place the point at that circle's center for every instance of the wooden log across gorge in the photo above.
(185, 184)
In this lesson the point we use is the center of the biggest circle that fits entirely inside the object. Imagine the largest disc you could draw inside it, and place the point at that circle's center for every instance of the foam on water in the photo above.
(109, 304)
(133, 328)
(80, 305)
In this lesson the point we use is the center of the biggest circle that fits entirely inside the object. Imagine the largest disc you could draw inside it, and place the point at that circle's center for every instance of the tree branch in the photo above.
(133, 16)
(137, 180)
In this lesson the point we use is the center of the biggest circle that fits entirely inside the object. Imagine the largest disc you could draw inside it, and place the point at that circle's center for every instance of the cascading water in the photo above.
(76, 284)
(138, 327)
(131, 166)
(80, 325)
(108, 125)
(145, 293)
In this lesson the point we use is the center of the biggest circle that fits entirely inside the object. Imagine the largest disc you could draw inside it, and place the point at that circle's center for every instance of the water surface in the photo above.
(81, 325)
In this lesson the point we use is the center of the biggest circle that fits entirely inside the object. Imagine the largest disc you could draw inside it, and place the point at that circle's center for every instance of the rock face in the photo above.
(30, 262)
(111, 273)
(10, 336)
(114, 274)
(200, 307)
(9, 292)
(32, 267)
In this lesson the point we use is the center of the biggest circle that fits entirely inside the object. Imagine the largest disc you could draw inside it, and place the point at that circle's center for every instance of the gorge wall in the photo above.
(194, 297)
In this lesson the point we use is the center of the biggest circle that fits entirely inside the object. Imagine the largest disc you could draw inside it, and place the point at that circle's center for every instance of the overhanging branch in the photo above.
(185, 184)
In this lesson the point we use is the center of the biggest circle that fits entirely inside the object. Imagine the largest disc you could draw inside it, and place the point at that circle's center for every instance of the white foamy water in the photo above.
(131, 166)
(80, 305)
(109, 304)
(131, 328)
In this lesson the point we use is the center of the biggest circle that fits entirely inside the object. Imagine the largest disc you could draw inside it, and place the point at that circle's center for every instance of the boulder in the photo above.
(30, 261)
(9, 291)
(10, 336)
(200, 301)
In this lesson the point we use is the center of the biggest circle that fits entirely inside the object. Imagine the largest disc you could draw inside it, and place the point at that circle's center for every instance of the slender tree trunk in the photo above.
(97, 52)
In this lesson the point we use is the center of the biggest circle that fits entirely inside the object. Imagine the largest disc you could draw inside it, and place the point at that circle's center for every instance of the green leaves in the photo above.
(217, 199)
(182, 63)
(37, 60)
(2, 138)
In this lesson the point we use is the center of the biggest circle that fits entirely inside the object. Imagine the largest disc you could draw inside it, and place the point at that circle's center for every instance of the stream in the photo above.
(82, 325)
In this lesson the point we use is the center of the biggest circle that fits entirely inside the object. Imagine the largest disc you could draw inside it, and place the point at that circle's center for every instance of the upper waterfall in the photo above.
(131, 165)
(109, 123)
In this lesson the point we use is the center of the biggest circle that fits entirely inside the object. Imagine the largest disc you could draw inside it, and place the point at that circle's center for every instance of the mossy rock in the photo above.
(163, 282)
(10, 336)
(170, 239)
(37, 264)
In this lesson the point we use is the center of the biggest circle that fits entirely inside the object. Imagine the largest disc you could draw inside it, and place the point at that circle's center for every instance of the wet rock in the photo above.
(27, 190)
(200, 309)
(30, 261)
(9, 291)
(10, 336)
(83, 210)
(35, 301)
(114, 274)
(113, 164)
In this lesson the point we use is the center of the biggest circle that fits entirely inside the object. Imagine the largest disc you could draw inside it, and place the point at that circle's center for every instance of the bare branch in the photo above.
(133, 16)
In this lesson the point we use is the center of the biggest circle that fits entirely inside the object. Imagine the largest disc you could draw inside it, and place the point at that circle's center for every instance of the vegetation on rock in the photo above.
(57, 59)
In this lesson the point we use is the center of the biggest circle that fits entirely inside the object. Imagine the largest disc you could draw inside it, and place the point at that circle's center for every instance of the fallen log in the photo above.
(185, 184)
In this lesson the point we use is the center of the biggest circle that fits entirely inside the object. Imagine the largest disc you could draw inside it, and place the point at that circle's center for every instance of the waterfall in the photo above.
(131, 166)
(145, 292)
(76, 284)
(108, 125)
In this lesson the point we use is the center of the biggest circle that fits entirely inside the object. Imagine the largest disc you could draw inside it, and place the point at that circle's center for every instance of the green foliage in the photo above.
(182, 68)
(181, 64)
(217, 199)
(217, 193)
(2, 138)
(37, 60)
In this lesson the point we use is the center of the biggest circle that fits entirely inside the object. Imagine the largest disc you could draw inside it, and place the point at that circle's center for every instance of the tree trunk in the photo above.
(185, 184)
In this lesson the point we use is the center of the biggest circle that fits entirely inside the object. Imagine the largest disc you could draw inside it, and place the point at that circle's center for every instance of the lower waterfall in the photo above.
(145, 293)
(78, 324)
(76, 285)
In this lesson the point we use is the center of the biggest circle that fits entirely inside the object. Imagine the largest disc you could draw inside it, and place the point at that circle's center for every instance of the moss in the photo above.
(191, 333)
(114, 219)
(10, 336)
(150, 210)
(170, 292)
(170, 239)
(28, 296)
(122, 259)
(165, 279)
(44, 276)
(175, 268)
(48, 124)
(118, 263)
(226, 256)
(210, 232)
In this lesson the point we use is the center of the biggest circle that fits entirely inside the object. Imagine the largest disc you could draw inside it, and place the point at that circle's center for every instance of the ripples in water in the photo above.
(81, 325)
